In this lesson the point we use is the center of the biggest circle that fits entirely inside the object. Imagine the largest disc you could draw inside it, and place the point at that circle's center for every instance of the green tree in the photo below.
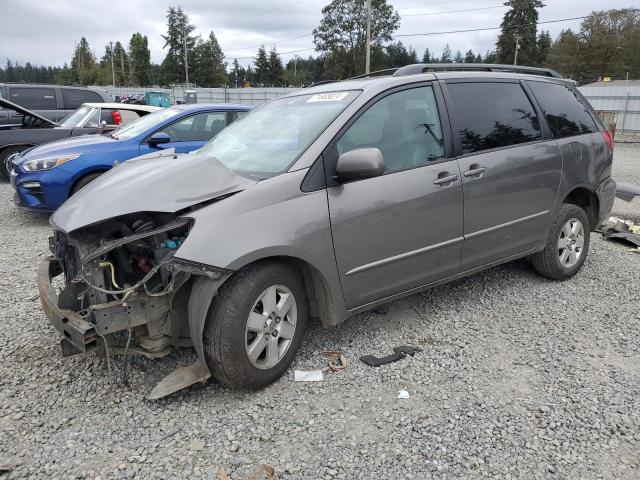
(237, 74)
(564, 54)
(469, 57)
(446, 54)
(543, 45)
(179, 32)
(520, 20)
(262, 66)
(275, 68)
(426, 57)
(341, 35)
(397, 55)
(83, 64)
(209, 67)
(458, 58)
(140, 60)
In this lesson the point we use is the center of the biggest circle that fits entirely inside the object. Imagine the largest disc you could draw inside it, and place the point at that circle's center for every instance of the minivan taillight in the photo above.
(608, 138)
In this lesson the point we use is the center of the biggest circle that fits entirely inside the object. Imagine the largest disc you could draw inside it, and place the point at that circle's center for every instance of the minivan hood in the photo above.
(163, 182)
(81, 144)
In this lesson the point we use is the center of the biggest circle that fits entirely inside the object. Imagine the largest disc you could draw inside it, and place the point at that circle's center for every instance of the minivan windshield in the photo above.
(143, 124)
(271, 138)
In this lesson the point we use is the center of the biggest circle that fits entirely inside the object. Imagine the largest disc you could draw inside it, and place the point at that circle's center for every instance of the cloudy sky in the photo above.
(44, 31)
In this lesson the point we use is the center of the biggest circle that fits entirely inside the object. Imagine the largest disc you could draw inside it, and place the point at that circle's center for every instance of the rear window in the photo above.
(492, 115)
(73, 97)
(563, 109)
(34, 98)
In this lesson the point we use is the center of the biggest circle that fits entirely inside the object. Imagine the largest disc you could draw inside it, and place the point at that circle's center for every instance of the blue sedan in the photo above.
(46, 175)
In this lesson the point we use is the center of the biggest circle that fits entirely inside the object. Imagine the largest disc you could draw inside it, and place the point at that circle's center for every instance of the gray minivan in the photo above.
(323, 204)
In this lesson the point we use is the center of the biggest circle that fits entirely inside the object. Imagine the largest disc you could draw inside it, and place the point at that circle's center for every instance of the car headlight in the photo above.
(47, 163)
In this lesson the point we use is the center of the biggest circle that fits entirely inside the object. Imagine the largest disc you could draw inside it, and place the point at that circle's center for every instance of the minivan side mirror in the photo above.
(360, 164)
(158, 138)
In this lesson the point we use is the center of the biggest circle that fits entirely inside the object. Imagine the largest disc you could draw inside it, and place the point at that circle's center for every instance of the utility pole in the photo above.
(113, 71)
(515, 57)
(186, 60)
(367, 62)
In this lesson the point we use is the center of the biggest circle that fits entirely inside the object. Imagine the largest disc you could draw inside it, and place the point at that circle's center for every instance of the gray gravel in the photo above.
(520, 377)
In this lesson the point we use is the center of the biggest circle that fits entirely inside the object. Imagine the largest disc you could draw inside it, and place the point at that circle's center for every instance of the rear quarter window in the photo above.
(564, 111)
(73, 97)
(34, 98)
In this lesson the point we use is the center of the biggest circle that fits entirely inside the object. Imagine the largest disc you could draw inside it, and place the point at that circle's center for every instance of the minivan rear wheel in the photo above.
(567, 244)
(255, 325)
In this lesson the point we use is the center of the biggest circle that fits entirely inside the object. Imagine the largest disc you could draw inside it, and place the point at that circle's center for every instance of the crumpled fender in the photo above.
(202, 292)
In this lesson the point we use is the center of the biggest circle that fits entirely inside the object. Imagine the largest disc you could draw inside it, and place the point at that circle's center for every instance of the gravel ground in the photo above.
(520, 377)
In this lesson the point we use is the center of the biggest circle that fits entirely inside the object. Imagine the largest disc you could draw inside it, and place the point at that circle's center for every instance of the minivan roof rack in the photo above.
(473, 67)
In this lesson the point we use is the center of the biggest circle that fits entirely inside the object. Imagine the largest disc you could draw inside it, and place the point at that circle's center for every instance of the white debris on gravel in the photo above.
(520, 377)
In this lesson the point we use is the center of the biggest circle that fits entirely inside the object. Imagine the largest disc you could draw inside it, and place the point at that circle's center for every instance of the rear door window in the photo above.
(564, 111)
(492, 115)
(34, 98)
(73, 97)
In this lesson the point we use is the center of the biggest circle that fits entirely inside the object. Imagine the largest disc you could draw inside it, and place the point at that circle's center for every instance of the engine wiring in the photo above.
(103, 264)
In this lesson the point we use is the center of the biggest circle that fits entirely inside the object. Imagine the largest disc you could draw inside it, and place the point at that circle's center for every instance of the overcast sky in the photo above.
(44, 32)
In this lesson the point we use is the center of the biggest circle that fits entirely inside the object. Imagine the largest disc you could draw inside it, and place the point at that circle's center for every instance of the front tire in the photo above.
(255, 326)
(84, 181)
(567, 244)
(5, 166)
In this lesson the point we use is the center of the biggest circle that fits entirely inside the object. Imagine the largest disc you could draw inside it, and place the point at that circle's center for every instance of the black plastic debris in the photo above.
(398, 354)
(618, 229)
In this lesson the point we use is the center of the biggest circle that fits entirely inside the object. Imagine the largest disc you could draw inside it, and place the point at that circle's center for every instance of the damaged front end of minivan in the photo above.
(125, 291)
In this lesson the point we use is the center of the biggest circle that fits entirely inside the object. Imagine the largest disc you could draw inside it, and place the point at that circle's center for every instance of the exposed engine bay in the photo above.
(125, 292)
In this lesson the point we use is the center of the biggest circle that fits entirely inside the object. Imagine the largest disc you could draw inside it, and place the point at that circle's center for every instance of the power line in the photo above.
(257, 14)
(451, 11)
(486, 28)
(279, 53)
(268, 43)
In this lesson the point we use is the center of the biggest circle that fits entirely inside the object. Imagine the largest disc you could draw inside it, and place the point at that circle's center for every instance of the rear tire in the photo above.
(255, 326)
(567, 244)
(5, 166)
(84, 181)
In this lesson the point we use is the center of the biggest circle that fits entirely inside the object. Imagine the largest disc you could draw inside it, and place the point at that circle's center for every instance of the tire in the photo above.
(84, 181)
(567, 244)
(229, 336)
(5, 168)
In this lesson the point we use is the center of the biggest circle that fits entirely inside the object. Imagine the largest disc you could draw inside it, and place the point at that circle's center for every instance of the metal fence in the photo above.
(246, 96)
(617, 104)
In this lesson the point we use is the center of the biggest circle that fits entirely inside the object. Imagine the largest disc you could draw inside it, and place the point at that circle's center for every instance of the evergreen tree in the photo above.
(209, 67)
(458, 57)
(469, 57)
(426, 58)
(521, 19)
(397, 55)
(275, 69)
(543, 45)
(237, 75)
(179, 32)
(262, 66)
(83, 64)
(479, 59)
(140, 58)
(564, 54)
(446, 54)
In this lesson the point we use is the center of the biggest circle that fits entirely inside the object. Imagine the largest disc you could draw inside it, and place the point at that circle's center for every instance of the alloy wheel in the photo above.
(271, 326)
(571, 243)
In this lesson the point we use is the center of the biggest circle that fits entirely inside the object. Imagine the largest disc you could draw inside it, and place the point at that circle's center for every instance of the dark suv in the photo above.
(50, 101)
(323, 204)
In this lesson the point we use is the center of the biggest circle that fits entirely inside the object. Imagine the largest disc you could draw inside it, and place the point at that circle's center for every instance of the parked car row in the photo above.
(36, 130)
(318, 205)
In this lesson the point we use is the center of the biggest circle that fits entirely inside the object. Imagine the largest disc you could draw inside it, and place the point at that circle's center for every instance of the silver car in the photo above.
(320, 205)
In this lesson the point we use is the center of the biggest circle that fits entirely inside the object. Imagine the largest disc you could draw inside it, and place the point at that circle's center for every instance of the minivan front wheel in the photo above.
(255, 326)
(567, 244)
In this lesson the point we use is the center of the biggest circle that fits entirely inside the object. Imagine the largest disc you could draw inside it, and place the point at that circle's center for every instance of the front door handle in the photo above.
(444, 179)
(475, 170)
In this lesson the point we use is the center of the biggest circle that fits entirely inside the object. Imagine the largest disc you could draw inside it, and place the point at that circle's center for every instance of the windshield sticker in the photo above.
(328, 97)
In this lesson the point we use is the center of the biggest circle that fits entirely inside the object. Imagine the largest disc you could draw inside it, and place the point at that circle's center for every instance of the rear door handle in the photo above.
(444, 181)
(475, 171)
